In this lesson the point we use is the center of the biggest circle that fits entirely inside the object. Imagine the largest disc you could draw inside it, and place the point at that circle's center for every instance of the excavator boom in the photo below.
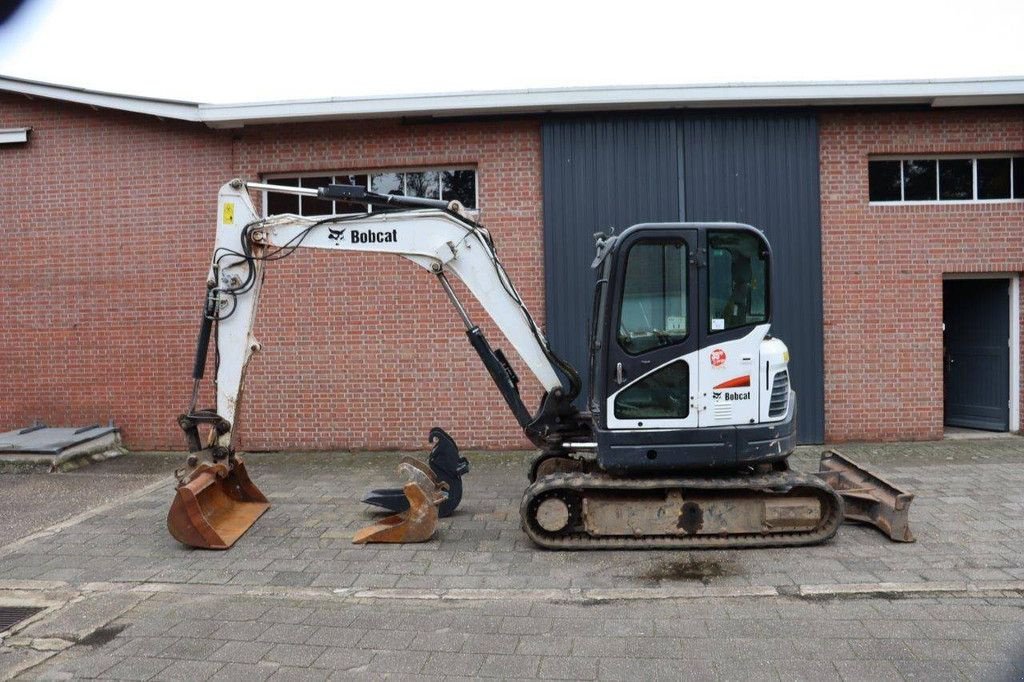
(215, 502)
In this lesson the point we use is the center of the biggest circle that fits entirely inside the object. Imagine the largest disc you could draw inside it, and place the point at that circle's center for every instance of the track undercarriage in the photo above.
(573, 504)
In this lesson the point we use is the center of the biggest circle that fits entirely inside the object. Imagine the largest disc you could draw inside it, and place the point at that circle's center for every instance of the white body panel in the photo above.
(724, 368)
(730, 384)
(430, 238)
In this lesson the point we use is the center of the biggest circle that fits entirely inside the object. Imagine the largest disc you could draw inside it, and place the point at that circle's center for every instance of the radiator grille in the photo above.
(780, 395)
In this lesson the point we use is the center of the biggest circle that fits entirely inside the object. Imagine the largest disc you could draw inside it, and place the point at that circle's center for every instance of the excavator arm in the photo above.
(435, 237)
(434, 234)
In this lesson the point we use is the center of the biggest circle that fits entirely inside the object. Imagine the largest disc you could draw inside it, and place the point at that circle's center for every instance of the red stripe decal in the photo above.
(735, 383)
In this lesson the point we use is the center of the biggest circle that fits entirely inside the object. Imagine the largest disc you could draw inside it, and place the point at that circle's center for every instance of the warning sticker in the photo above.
(229, 213)
(717, 357)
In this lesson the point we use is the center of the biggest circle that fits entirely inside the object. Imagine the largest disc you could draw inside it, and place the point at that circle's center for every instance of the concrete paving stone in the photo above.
(299, 655)
(616, 627)
(142, 646)
(330, 617)
(928, 670)
(287, 633)
(192, 629)
(598, 646)
(445, 664)
(241, 631)
(681, 627)
(628, 670)
(476, 643)
(567, 668)
(398, 662)
(244, 672)
(241, 652)
(509, 666)
(76, 663)
(293, 578)
(343, 659)
(1001, 671)
(880, 649)
(523, 625)
(745, 669)
(187, 670)
(386, 640)
(440, 640)
(14, 659)
(137, 668)
(937, 649)
(867, 670)
(291, 674)
(806, 671)
(192, 649)
(336, 637)
(334, 579)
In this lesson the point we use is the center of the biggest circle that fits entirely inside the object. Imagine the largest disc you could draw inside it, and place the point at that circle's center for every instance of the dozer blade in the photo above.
(869, 498)
(215, 506)
(417, 524)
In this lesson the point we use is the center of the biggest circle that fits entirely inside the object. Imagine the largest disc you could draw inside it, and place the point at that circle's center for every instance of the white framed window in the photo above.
(946, 179)
(458, 183)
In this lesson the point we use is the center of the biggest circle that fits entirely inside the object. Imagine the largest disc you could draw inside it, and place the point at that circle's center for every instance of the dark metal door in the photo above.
(653, 323)
(976, 353)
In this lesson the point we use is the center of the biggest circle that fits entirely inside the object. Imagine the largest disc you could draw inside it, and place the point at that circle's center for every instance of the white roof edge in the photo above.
(940, 92)
(163, 108)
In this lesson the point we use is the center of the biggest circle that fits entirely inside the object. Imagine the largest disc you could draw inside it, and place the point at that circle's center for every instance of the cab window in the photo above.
(737, 280)
(662, 394)
(653, 312)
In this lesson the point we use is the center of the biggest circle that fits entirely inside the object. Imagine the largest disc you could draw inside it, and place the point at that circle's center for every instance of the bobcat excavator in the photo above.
(690, 419)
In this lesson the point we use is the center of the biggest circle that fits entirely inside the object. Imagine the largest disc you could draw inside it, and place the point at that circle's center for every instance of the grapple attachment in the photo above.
(215, 505)
(446, 469)
(868, 498)
(423, 494)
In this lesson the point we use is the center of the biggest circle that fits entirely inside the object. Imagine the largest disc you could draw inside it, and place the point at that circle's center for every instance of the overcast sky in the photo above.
(219, 51)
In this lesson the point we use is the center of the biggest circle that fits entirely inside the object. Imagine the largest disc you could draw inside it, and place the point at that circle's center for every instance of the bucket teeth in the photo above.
(215, 505)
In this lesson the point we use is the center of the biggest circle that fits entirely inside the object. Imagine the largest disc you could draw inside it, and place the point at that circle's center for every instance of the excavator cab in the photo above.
(686, 376)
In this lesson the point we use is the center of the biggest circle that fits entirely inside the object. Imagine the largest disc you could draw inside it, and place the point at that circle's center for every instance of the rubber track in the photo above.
(780, 484)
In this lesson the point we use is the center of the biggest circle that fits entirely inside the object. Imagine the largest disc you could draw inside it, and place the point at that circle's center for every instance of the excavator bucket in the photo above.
(419, 521)
(215, 505)
(868, 498)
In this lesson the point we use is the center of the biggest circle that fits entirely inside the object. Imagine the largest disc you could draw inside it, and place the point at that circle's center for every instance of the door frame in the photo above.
(1014, 279)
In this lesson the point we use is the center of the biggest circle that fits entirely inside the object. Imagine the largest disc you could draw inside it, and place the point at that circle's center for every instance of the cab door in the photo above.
(650, 377)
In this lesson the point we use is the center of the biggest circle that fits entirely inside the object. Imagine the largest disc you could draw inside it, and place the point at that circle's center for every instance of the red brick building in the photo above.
(107, 212)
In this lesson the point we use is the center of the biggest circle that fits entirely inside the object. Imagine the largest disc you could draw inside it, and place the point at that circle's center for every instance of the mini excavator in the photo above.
(690, 420)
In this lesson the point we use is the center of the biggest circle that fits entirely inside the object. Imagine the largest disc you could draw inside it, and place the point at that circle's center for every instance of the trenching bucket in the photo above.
(424, 493)
(215, 505)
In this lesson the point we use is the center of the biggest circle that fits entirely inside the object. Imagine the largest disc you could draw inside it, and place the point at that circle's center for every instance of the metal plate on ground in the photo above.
(12, 615)
(42, 439)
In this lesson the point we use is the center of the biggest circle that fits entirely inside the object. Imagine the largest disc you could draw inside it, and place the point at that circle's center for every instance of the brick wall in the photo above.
(107, 221)
(883, 266)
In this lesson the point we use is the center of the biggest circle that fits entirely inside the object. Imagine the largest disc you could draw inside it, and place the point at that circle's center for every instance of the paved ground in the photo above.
(294, 599)
(32, 500)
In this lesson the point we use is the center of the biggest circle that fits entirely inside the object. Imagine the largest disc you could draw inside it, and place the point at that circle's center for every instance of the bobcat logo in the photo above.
(337, 236)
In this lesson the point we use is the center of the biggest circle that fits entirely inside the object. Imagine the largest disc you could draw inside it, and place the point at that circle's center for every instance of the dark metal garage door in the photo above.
(754, 167)
(976, 318)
